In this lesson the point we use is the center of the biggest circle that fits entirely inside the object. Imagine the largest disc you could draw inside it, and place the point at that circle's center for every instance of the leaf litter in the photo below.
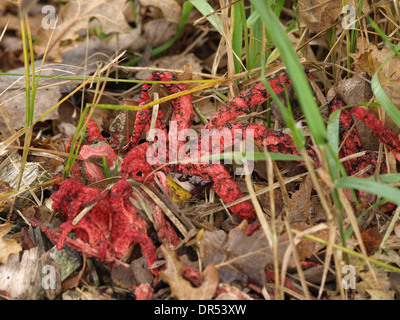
(231, 259)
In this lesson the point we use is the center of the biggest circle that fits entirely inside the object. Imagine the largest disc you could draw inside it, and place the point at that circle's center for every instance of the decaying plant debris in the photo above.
(90, 217)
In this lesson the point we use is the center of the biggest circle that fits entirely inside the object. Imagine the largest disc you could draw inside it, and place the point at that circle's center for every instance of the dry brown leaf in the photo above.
(353, 91)
(369, 58)
(7, 246)
(372, 240)
(140, 272)
(243, 257)
(319, 15)
(170, 8)
(122, 276)
(50, 163)
(181, 288)
(300, 202)
(13, 98)
(265, 200)
(394, 279)
(379, 294)
(5, 188)
(76, 15)
(306, 248)
(373, 284)
(87, 293)
(73, 282)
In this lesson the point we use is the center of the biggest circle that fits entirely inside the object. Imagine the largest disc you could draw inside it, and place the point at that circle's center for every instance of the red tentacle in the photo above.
(247, 99)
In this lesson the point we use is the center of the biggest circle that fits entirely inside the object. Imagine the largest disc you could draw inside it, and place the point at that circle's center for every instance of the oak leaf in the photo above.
(7, 246)
(319, 15)
(243, 257)
(306, 247)
(76, 16)
(300, 202)
(372, 240)
(181, 288)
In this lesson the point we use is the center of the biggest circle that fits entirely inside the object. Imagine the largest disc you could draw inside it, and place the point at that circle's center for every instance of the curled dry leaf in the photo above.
(300, 202)
(76, 15)
(352, 91)
(170, 8)
(14, 100)
(181, 288)
(372, 240)
(306, 248)
(379, 295)
(174, 62)
(318, 15)
(122, 276)
(73, 282)
(265, 199)
(243, 257)
(374, 284)
(7, 246)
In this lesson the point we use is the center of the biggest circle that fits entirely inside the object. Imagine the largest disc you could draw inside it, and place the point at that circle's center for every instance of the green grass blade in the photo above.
(74, 148)
(388, 178)
(29, 112)
(206, 10)
(106, 168)
(377, 89)
(278, 7)
(368, 185)
(333, 131)
(252, 19)
(256, 40)
(237, 35)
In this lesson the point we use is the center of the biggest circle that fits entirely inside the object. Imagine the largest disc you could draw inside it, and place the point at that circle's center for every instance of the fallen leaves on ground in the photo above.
(180, 287)
(21, 278)
(76, 15)
(7, 246)
(306, 248)
(372, 240)
(319, 15)
(300, 202)
(170, 8)
(5, 203)
(243, 257)
(374, 284)
(369, 58)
